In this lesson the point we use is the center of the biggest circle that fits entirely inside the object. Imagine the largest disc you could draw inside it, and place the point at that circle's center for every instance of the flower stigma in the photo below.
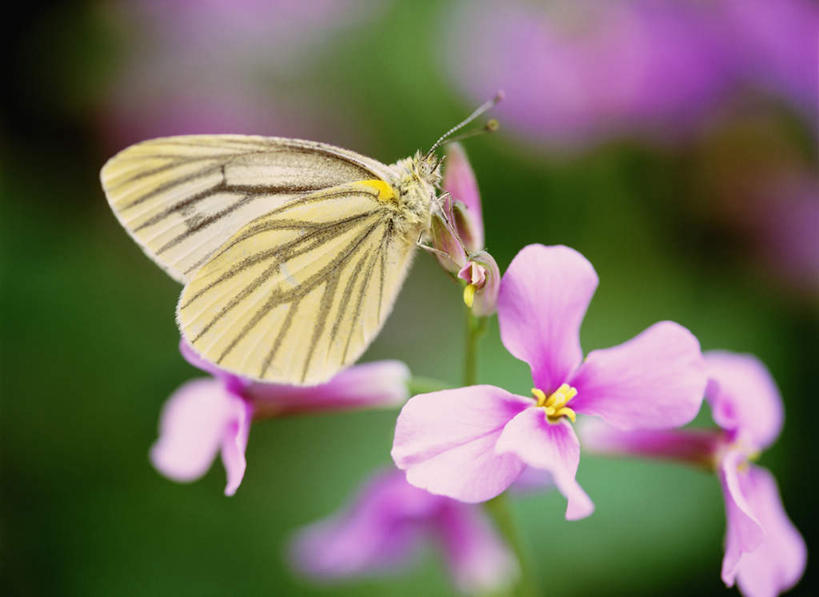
(475, 276)
(469, 295)
(555, 403)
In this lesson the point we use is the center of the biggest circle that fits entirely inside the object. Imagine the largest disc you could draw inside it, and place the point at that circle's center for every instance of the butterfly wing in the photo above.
(182, 197)
(300, 292)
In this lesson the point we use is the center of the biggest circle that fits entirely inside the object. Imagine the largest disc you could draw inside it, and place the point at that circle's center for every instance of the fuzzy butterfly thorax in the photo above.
(418, 178)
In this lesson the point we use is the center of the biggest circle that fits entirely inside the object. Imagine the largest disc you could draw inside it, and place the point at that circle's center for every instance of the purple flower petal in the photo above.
(778, 46)
(743, 532)
(234, 443)
(543, 297)
(533, 480)
(384, 525)
(445, 441)
(380, 384)
(231, 380)
(192, 428)
(480, 562)
(779, 562)
(744, 398)
(655, 380)
(553, 447)
(377, 531)
(694, 446)
(459, 182)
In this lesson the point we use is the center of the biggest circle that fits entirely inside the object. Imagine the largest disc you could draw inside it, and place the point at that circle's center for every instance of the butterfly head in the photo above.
(417, 182)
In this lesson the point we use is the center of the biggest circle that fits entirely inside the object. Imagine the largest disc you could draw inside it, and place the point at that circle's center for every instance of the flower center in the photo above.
(555, 403)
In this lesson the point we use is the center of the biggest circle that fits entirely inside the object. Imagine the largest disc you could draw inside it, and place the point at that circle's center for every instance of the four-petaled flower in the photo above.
(206, 416)
(471, 443)
(764, 553)
(386, 524)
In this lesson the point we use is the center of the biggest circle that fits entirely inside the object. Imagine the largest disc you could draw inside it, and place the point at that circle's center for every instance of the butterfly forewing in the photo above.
(182, 197)
(300, 292)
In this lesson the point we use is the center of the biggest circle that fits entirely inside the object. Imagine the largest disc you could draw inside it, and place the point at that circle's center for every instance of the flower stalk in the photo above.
(497, 508)
(475, 327)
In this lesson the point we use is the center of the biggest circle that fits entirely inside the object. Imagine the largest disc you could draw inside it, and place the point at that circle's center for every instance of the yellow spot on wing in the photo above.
(385, 191)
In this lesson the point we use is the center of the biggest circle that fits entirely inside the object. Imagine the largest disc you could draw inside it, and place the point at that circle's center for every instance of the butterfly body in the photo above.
(292, 252)
(415, 183)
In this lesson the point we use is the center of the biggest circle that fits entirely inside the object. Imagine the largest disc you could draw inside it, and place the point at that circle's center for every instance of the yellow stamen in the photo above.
(469, 295)
(567, 412)
(384, 191)
(561, 396)
(555, 404)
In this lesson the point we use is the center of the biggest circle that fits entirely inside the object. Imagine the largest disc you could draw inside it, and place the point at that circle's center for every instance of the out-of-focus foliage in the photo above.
(712, 230)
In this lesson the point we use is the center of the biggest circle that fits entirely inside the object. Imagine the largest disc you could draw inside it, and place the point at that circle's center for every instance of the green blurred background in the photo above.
(89, 345)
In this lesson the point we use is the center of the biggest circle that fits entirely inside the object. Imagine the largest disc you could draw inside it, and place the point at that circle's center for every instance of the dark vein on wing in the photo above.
(359, 302)
(296, 294)
(285, 251)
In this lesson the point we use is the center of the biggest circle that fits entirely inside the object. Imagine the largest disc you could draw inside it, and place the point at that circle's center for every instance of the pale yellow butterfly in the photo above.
(291, 252)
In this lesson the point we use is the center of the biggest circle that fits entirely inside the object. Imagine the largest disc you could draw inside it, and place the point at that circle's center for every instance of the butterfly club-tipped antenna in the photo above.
(491, 126)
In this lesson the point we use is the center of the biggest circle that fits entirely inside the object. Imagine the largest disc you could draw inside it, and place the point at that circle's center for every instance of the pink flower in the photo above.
(471, 443)
(578, 73)
(764, 553)
(386, 524)
(209, 416)
(775, 44)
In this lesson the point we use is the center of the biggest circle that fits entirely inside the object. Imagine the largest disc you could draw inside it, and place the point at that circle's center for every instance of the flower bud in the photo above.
(448, 249)
(464, 203)
(482, 277)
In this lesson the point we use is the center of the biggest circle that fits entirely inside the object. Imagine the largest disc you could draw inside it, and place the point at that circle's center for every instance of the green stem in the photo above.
(424, 385)
(497, 507)
(475, 326)
(498, 510)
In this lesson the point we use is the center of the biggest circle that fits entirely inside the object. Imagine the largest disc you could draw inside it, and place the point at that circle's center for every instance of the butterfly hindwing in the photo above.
(182, 197)
(300, 292)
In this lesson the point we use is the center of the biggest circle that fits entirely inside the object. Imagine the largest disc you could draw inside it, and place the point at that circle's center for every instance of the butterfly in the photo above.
(291, 252)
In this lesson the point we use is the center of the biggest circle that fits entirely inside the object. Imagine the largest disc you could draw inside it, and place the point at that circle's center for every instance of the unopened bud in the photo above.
(482, 277)
(448, 250)
(464, 204)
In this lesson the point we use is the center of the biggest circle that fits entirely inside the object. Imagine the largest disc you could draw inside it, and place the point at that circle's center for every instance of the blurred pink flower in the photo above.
(775, 46)
(221, 67)
(472, 443)
(207, 416)
(577, 73)
(764, 553)
(251, 27)
(385, 526)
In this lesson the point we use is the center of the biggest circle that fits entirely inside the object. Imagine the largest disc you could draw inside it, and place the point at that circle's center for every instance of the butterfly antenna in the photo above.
(483, 108)
(491, 126)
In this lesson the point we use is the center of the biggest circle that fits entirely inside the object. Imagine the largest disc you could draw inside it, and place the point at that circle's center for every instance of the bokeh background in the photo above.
(672, 142)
